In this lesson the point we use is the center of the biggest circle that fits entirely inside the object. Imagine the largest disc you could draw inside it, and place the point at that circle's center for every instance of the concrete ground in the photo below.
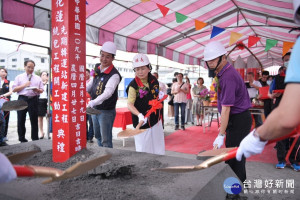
(264, 180)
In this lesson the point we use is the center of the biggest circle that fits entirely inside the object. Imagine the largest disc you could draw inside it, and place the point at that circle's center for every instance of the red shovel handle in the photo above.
(231, 154)
(22, 171)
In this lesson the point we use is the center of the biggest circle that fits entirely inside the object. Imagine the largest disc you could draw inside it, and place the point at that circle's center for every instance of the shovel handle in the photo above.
(139, 125)
(231, 154)
(24, 171)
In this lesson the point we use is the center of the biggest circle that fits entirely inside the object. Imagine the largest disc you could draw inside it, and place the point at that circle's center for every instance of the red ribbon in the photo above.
(155, 105)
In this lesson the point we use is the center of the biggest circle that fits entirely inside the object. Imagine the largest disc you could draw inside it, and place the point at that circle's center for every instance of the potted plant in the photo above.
(205, 96)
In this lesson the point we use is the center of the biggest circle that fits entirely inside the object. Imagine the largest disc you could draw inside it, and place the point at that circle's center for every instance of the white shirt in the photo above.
(44, 95)
(253, 91)
(162, 87)
(110, 87)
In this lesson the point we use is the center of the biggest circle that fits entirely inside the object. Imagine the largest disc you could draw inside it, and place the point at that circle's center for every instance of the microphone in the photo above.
(29, 78)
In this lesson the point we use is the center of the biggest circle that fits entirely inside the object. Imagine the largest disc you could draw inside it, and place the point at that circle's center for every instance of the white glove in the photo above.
(161, 94)
(142, 118)
(7, 171)
(219, 141)
(250, 145)
(91, 104)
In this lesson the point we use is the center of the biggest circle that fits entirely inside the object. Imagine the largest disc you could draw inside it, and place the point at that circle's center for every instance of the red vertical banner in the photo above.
(241, 71)
(68, 74)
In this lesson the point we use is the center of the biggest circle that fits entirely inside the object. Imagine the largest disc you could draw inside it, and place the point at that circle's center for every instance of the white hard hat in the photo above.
(297, 11)
(109, 47)
(213, 50)
(140, 60)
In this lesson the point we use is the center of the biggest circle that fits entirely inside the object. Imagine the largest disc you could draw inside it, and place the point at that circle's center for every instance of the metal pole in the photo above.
(50, 78)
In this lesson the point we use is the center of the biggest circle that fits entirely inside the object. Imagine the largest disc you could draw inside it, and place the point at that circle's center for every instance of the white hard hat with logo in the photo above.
(109, 47)
(213, 50)
(297, 11)
(140, 60)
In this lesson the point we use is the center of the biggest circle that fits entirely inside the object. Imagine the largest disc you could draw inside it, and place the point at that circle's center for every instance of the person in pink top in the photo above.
(179, 90)
(189, 117)
(29, 86)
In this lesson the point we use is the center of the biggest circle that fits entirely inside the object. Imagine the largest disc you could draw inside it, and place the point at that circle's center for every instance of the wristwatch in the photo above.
(222, 134)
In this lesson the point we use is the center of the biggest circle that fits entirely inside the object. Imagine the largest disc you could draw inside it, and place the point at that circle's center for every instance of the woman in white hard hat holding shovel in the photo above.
(275, 125)
(141, 90)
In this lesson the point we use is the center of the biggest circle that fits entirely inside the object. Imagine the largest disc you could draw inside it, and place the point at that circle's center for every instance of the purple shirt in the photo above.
(232, 91)
(36, 81)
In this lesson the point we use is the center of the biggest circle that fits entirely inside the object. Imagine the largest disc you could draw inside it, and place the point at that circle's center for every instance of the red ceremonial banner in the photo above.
(68, 78)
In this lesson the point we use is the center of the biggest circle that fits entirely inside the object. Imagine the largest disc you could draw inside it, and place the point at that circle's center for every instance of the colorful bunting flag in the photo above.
(240, 45)
(286, 47)
(216, 31)
(164, 10)
(180, 17)
(234, 37)
(252, 40)
(199, 25)
(270, 43)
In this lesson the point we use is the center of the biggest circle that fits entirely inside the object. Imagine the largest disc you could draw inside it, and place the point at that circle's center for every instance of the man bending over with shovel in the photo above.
(233, 103)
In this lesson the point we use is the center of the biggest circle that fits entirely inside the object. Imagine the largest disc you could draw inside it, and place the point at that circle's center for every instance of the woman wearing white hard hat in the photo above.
(142, 89)
(104, 94)
(233, 103)
(276, 125)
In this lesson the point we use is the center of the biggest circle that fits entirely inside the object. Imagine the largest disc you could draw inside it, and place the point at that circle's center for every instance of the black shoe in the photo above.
(22, 141)
(90, 141)
(2, 144)
(182, 127)
(41, 137)
(176, 127)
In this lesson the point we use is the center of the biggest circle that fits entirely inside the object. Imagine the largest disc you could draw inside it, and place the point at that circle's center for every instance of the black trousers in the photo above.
(6, 116)
(267, 107)
(33, 115)
(283, 147)
(239, 126)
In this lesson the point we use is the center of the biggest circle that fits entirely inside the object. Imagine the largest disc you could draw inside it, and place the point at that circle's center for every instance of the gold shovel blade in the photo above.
(14, 105)
(79, 168)
(180, 169)
(15, 158)
(205, 164)
(215, 152)
(92, 111)
(130, 132)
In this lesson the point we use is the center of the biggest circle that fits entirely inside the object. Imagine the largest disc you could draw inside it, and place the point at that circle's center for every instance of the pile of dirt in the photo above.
(126, 175)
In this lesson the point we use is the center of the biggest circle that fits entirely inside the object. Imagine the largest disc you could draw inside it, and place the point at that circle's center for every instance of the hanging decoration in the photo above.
(216, 31)
(270, 43)
(286, 47)
(252, 40)
(199, 25)
(234, 36)
(240, 45)
(164, 10)
(180, 17)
